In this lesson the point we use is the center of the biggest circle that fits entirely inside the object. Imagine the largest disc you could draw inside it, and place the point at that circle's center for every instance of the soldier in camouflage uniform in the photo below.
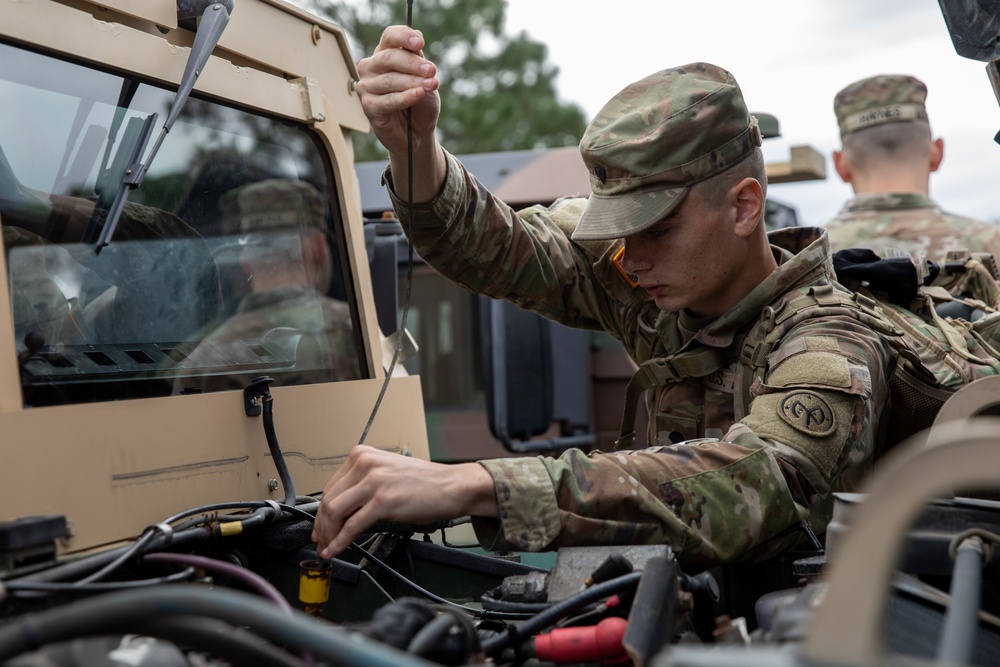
(670, 255)
(888, 156)
(284, 251)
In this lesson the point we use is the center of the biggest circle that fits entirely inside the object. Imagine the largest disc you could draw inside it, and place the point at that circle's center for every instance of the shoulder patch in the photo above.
(808, 412)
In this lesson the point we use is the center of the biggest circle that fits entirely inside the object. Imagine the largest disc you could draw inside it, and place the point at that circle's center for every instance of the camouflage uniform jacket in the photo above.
(328, 354)
(912, 222)
(810, 430)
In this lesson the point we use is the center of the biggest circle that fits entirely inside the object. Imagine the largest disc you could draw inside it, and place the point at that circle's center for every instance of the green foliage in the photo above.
(498, 92)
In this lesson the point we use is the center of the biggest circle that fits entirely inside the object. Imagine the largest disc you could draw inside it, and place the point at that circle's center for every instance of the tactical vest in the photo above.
(933, 355)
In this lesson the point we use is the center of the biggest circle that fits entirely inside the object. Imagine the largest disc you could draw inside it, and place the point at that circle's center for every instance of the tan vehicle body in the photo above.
(113, 468)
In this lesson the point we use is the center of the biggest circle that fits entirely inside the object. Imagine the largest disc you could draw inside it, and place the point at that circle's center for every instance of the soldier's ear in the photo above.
(842, 166)
(937, 153)
(749, 206)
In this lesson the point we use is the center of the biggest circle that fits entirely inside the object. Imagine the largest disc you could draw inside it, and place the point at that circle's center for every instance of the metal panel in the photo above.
(162, 13)
(150, 55)
(258, 72)
(318, 51)
(114, 472)
(10, 387)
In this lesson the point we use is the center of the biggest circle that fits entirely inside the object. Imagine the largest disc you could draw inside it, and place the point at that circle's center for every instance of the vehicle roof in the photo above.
(520, 178)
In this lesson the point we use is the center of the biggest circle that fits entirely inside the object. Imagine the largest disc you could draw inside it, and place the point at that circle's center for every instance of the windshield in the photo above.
(228, 262)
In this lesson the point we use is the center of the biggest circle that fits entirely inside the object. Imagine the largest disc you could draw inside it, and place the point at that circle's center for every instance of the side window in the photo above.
(227, 264)
(444, 319)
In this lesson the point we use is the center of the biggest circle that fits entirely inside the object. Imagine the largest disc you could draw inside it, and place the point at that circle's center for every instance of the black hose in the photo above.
(436, 641)
(234, 645)
(91, 563)
(272, 444)
(217, 507)
(491, 601)
(150, 540)
(505, 607)
(136, 548)
(124, 612)
(99, 586)
(470, 641)
(550, 616)
(431, 635)
(305, 509)
(73, 567)
(247, 577)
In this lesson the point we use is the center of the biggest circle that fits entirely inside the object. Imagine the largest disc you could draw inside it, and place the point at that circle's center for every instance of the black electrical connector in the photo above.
(31, 539)
(615, 565)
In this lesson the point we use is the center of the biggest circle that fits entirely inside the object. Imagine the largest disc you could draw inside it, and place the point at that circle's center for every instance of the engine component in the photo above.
(314, 585)
(592, 643)
(30, 540)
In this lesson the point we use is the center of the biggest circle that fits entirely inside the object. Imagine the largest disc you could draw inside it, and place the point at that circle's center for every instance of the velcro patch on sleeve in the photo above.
(823, 369)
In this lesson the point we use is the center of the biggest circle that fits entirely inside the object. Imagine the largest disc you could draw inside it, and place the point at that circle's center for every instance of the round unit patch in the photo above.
(808, 412)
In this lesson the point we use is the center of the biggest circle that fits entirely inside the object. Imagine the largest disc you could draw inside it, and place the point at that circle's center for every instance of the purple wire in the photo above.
(251, 579)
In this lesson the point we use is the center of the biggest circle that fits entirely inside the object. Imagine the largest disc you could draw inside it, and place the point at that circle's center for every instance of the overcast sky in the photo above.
(790, 57)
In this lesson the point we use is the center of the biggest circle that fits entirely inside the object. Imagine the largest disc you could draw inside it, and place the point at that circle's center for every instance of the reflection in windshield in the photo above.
(138, 318)
(282, 257)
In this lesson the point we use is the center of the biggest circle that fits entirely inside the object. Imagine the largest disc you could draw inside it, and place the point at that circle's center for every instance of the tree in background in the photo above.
(499, 91)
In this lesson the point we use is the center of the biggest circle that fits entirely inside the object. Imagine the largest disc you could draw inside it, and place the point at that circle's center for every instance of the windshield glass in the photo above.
(227, 264)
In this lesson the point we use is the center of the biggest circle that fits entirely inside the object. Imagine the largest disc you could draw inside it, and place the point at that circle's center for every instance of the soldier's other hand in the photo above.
(374, 485)
(397, 77)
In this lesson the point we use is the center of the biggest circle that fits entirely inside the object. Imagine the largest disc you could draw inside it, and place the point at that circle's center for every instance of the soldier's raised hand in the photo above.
(397, 77)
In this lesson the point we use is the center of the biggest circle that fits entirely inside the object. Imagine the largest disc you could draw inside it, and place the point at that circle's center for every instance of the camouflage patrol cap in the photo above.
(273, 205)
(886, 98)
(655, 139)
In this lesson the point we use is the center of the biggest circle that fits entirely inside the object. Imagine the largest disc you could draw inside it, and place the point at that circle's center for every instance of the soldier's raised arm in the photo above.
(397, 77)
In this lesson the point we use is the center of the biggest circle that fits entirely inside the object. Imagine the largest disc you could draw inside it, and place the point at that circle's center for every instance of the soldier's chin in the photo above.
(670, 303)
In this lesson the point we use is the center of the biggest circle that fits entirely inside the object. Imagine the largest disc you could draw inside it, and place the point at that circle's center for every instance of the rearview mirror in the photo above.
(536, 379)
(974, 27)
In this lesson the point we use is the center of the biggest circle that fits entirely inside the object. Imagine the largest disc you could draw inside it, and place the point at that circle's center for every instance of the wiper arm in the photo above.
(213, 22)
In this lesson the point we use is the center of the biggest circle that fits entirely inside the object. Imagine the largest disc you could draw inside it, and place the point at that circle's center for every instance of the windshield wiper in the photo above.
(214, 20)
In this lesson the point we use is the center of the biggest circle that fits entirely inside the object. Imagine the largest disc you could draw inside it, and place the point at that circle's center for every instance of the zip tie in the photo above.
(273, 504)
(166, 530)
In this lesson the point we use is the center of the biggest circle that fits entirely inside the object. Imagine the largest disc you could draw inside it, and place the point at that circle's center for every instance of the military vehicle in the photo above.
(164, 167)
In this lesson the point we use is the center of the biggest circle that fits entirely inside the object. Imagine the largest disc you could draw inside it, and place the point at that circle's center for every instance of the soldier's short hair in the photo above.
(714, 188)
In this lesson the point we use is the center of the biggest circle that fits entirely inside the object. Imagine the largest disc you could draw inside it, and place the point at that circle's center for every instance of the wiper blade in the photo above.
(131, 178)
(213, 22)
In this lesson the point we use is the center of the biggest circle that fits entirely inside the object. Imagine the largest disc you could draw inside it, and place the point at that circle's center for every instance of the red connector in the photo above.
(592, 643)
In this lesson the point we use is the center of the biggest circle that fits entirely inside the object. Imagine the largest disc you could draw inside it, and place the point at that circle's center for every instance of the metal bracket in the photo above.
(253, 393)
(314, 97)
